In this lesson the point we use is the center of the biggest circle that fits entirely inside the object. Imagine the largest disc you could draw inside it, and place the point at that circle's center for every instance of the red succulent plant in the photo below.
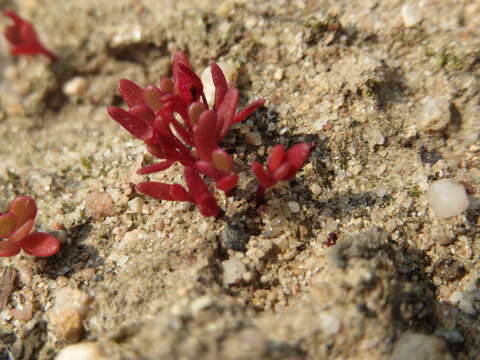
(23, 38)
(16, 226)
(281, 166)
(176, 124)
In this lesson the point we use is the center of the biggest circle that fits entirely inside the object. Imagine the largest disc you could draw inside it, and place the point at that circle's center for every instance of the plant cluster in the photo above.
(176, 124)
(23, 38)
(16, 228)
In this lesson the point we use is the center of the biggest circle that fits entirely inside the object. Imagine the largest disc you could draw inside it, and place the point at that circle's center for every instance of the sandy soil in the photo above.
(142, 279)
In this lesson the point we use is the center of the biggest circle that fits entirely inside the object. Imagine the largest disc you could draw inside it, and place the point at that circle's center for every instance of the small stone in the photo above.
(436, 114)
(448, 269)
(200, 303)
(235, 237)
(316, 189)
(71, 306)
(447, 198)
(294, 207)
(100, 204)
(253, 138)
(81, 351)
(67, 325)
(330, 323)
(418, 346)
(233, 271)
(225, 8)
(410, 15)
(278, 74)
(75, 86)
(87, 274)
(135, 206)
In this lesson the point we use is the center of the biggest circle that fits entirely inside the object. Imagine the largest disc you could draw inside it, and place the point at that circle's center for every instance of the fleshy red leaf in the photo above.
(222, 161)
(282, 172)
(157, 190)
(207, 169)
(243, 114)
(8, 248)
(181, 58)
(199, 191)
(131, 93)
(276, 158)
(207, 205)
(24, 208)
(15, 18)
(151, 97)
(179, 193)
(149, 169)
(204, 135)
(187, 84)
(264, 178)
(12, 35)
(196, 186)
(133, 124)
(220, 82)
(228, 182)
(166, 85)
(8, 223)
(22, 231)
(296, 157)
(143, 112)
(40, 244)
(227, 111)
(194, 112)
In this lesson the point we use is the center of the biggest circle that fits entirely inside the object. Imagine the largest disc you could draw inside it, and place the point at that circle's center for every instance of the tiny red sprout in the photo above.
(23, 38)
(16, 226)
(281, 165)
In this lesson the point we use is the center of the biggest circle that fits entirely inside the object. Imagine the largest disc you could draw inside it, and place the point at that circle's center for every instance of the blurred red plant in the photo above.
(16, 226)
(23, 38)
(176, 124)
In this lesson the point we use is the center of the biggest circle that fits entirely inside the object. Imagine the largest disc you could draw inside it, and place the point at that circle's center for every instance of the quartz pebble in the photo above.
(71, 306)
(294, 206)
(82, 351)
(233, 271)
(447, 198)
(410, 15)
(436, 114)
(419, 346)
(75, 86)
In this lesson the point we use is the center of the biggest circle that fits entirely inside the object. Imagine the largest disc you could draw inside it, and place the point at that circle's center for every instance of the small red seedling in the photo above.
(23, 38)
(281, 166)
(16, 226)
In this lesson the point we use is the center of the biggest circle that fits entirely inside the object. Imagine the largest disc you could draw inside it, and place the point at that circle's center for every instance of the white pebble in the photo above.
(410, 15)
(436, 114)
(233, 271)
(75, 86)
(82, 351)
(200, 303)
(135, 206)
(447, 198)
(293, 206)
(330, 323)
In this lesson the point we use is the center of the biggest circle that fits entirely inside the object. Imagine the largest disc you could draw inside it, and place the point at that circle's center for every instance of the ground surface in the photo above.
(144, 279)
